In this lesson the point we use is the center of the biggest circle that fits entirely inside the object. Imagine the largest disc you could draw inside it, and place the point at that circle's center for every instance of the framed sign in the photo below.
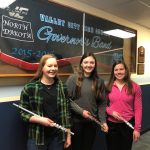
(27, 34)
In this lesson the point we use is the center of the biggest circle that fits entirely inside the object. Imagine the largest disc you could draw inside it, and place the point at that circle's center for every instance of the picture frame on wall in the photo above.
(140, 69)
(141, 54)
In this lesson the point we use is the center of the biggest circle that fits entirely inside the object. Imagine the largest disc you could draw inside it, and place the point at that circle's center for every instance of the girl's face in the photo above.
(119, 72)
(50, 68)
(88, 65)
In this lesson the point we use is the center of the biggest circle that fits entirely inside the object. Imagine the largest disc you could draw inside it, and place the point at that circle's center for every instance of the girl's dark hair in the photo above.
(126, 79)
(39, 72)
(97, 89)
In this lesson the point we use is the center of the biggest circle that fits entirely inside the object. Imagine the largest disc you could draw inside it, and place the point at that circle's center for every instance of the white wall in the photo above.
(10, 93)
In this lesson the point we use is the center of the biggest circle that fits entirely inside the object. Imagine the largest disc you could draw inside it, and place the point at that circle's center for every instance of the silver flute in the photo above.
(90, 117)
(96, 120)
(54, 124)
(128, 123)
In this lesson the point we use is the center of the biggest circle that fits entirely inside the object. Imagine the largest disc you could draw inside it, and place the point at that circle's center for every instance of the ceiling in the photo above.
(136, 11)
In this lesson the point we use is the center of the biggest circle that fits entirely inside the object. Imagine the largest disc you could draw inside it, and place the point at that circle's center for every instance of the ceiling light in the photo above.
(120, 33)
(6, 3)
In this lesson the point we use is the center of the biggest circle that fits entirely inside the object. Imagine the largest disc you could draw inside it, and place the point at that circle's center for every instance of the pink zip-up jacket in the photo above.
(128, 106)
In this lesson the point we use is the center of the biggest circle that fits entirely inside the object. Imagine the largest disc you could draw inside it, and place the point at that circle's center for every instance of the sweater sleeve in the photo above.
(71, 86)
(138, 108)
(76, 108)
(102, 112)
(103, 103)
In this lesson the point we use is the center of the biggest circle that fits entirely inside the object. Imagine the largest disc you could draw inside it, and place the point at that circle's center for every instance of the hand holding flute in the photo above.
(119, 117)
(87, 114)
(43, 120)
(48, 122)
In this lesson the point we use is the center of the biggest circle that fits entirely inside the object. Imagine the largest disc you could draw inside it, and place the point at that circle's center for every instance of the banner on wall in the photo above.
(30, 29)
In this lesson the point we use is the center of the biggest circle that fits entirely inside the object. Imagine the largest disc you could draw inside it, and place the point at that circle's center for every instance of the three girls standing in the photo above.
(47, 96)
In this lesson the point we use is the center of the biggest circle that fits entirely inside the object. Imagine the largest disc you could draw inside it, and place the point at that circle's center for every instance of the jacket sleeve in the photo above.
(24, 102)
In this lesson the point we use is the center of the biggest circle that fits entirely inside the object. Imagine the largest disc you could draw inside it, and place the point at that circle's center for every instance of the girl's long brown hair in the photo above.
(126, 79)
(97, 89)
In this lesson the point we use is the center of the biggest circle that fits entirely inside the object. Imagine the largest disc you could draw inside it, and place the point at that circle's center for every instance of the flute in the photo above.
(95, 120)
(34, 114)
(127, 123)
(90, 117)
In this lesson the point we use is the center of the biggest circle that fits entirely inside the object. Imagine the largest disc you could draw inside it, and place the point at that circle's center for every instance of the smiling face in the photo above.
(119, 72)
(88, 65)
(50, 68)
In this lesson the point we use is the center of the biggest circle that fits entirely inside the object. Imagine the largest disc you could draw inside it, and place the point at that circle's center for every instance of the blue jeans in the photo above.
(54, 144)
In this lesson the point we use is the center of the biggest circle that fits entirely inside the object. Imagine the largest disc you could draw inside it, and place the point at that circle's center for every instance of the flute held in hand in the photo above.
(34, 114)
(90, 116)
